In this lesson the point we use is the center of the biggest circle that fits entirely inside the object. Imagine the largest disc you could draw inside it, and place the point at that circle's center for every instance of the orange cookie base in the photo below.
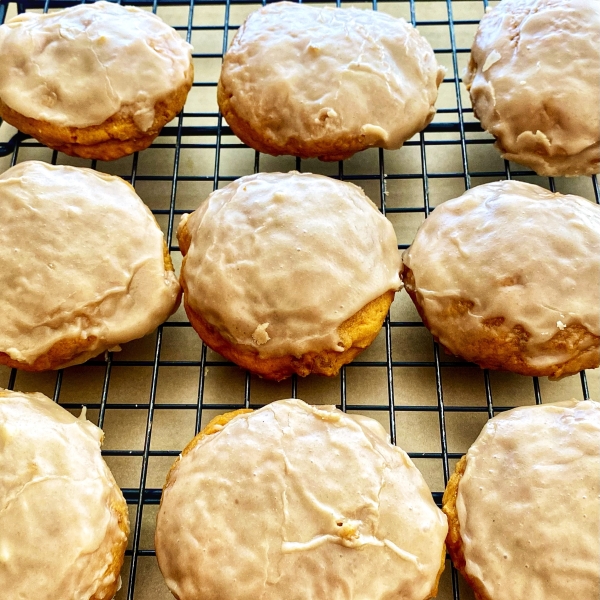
(587, 163)
(496, 347)
(453, 540)
(118, 136)
(64, 352)
(118, 506)
(356, 334)
(434, 589)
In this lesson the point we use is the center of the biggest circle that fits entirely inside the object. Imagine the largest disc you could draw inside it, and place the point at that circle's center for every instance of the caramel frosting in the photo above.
(59, 524)
(278, 261)
(534, 78)
(83, 258)
(529, 503)
(79, 66)
(515, 251)
(301, 72)
(302, 502)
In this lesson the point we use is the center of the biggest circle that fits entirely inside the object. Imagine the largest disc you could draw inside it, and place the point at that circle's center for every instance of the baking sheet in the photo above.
(151, 397)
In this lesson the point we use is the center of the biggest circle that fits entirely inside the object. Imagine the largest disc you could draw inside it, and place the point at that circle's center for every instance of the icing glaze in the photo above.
(303, 502)
(534, 79)
(79, 66)
(529, 503)
(515, 251)
(58, 525)
(292, 257)
(301, 72)
(83, 257)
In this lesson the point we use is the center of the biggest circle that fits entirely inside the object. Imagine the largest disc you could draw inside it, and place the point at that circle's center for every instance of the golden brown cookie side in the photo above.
(356, 334)
(586, 163)
(184, 237)
(169, 267)
(167, 260)
(453, 540)
(582, 346)
(494, 346)
(64, 352)
(434, 590)
(112, 132)
(118, 136)
(119, 507)
(105, 151)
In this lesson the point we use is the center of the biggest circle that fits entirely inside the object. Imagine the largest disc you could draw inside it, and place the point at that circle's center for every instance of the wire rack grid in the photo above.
(152, 397)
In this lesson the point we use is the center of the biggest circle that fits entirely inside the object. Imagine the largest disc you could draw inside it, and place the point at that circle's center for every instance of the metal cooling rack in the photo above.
(434, 405)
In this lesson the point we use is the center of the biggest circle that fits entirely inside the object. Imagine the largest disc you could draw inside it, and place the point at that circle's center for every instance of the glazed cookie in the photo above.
(523, 505)
(288, 273)
(84, 266)
(534, 79)
(296, 501)
(327, 82)
(63, 520)
(508, 276)
(95, 80)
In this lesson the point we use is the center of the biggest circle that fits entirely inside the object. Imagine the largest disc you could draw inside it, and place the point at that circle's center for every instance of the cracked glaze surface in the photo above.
(534, 79)
(78, 67)
(529, 503)
(299, 502)
(57, 525)
(83, 257)
(516, 251)
(308, 73)
(293, 256)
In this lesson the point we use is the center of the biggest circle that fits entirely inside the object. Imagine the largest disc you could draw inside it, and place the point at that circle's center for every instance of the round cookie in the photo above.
(84, 266)
(522, 506)
(534, 79)
(327, 82)
(298, 501)
(288, 273)
(63, 520)
(95, 80)
(508, 276)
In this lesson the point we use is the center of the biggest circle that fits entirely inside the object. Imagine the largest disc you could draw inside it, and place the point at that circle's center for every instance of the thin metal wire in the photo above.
(188, 136)
(137, 529)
